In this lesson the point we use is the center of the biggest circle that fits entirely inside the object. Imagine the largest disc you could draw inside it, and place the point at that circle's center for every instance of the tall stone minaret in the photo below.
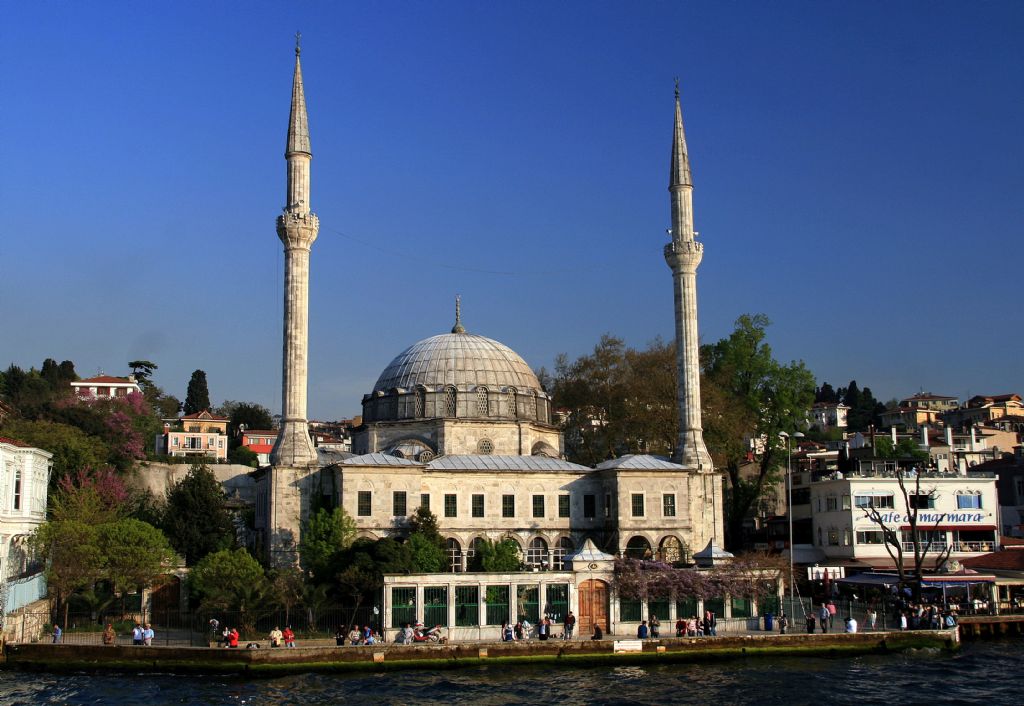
(683, 255)
(297, 227)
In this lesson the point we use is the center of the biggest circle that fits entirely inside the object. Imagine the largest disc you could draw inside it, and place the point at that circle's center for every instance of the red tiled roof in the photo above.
(205, 414)
(1008, 560)
(14, 442)
(261, 432)
(105, 379)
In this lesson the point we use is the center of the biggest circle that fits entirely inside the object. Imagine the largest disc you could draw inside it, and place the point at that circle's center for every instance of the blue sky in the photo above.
(858, 166)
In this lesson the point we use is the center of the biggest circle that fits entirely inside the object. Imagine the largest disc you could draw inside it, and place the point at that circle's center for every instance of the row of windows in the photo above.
(446, 404)
(919, 501)
(400, 505)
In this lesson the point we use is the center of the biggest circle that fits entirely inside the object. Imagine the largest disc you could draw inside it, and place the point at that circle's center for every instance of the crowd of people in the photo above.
(524, 630)
(693, 626)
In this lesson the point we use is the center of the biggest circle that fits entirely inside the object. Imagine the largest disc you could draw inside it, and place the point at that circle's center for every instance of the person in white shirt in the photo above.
(851, 624)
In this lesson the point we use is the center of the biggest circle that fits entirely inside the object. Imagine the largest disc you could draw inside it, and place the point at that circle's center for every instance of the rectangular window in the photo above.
(637, 504)
(435, 605)
(478, 505)
(403, 607)
(963, 502)
(563, 505)
(686, 607)
(922, 501)
(868, 501)
(846, 502)
(425, 501)
(17, 490)
(668, 505)
(399, 504)
(831, 503)
(658, 608)
(801, 496)
(589, 505)
(833, 538)
(630, 610)
(364, 503)
(557, 601)
(529, 608)
(741, 608)
(870, 537)
(467, 606)
(451, 505)
(538, 506)
(497, 604)
(508, 505)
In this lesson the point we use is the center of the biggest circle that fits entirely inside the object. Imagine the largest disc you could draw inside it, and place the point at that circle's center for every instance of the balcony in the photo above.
(958, 547)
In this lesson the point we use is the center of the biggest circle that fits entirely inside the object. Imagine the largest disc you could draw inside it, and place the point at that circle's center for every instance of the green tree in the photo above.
(250, 414)
(243, 456)
(326, 535)
(424, 522)
(143, 372)
(136, 554)
(72, 448)
(428, 556)
(197, 398)
(196, 519)
(73, 558)
(497, 556)
(748, 395)
(229, 580)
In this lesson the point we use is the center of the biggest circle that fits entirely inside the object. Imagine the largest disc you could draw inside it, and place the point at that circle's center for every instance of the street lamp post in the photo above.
(789, 514)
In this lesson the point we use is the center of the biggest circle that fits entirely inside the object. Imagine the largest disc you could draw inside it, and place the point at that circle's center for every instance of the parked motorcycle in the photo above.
(422, 634)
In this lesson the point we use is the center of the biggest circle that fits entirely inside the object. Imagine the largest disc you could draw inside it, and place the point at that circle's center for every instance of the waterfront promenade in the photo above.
(86, 657)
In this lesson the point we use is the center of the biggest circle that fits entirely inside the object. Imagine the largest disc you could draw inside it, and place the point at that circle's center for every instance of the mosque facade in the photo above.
(460, 424)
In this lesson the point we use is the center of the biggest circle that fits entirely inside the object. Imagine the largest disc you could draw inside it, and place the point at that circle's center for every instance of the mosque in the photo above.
(459, 423)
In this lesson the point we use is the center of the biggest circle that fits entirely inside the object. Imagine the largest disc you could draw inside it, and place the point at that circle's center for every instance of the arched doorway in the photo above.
(593, 605)
(537, 554)
(671, 550)
(638, 548)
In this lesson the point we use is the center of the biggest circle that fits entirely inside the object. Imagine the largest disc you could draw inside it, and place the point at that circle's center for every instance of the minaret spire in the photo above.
(458, 327)
(683, 255)
(297, 227)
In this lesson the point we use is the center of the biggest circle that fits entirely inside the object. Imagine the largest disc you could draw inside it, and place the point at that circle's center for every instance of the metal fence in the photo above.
(194, 628)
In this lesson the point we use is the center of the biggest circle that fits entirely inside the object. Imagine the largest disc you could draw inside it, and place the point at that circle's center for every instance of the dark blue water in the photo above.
(982, 673)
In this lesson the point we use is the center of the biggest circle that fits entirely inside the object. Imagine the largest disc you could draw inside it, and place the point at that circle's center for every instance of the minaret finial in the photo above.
(677, 88)
(298, 50)
(458, 327)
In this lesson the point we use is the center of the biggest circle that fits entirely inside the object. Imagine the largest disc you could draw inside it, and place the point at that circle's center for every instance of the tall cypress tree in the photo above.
(198, 396)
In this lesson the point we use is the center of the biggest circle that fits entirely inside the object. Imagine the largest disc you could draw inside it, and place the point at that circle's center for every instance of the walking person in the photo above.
(831, 614)
(783, 623)
(58, 635)
(655, 626)
(148, 634)
(569, 625)
(823, 617)
(872, 618)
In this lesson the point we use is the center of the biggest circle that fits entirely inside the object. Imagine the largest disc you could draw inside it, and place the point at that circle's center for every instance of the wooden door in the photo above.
(593, 599)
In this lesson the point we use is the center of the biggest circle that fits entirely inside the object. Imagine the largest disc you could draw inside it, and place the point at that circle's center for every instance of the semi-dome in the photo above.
(463, 360)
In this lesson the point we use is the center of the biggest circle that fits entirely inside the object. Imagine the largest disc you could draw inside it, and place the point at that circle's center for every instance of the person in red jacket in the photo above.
(289, 636)
(233, 638)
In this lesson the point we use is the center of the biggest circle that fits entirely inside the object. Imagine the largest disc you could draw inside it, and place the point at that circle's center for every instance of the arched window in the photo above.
(671, 550)
(454, 550)
(485, 447)
(420, 402)
(564, 546)
(638, 548)
(510, 401)
(450, 402)
(537, 554)
(472, 551)
(483, 409)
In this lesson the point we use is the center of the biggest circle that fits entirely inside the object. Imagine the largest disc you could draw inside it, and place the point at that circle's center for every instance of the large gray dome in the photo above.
(464, 360)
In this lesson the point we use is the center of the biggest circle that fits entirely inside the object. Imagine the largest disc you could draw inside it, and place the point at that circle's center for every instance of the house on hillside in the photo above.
(106, 386)
(202, 434)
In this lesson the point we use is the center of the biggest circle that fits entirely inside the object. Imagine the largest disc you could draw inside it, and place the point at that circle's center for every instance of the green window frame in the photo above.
(686, 607)
(435, 606)
(508, 505)
(556, 604)
(451, 505)
(668, 505)
(400, 504)
(658, 608)
(403, 606)
(636, 502)
(538, 506)
(715, 605)
(364, 503)
(497, 605)
(478, 505)
(630, 610)
(425, 501)
(467, 606)
(528, 603)
(563, 505)
(741, 607)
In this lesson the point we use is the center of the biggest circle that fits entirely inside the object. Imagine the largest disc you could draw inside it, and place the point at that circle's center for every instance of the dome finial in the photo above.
(458, 327)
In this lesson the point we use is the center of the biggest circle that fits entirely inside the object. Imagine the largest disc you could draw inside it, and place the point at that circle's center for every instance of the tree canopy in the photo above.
(197, 398)
(749, 398)
(327, 534)
(228, 580)
(196, 519)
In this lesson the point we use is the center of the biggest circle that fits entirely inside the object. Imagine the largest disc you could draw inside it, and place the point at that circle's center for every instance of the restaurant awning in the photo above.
(951, 528)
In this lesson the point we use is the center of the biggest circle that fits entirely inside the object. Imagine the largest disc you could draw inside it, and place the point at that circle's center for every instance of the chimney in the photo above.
(949, 437)
(892, 432)
(974, 439)
(924, 436)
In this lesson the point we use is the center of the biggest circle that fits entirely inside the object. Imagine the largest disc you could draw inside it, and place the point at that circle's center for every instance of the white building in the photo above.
(24, 478)
(105, 386)
(955, 512)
